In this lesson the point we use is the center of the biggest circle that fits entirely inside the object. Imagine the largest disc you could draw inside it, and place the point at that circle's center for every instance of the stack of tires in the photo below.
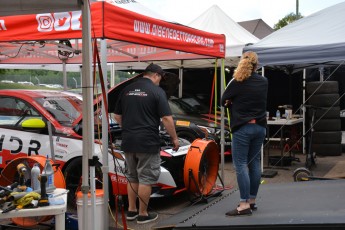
(326, 139)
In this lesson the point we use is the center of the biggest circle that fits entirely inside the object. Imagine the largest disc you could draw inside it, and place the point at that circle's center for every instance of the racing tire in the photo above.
(324, 100)
(325, 88)
(325, 113)
(327, 137)
(122, 200)
(327, 125)
(73, 177)
(302, 174)
(327, 149)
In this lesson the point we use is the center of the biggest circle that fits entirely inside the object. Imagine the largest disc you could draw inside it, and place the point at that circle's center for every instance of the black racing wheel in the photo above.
(73, 174)
(302, 174)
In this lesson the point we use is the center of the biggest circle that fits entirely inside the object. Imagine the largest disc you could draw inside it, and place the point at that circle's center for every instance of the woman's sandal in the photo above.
(253, 207)
(235, 212)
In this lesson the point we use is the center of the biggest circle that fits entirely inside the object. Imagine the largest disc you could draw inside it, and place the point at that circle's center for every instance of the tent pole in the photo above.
(112, 75)
(93, 195)
(64, 74)
(180, 73)
(81, 75)
(262, 149)
(303, 109)
(105, 121)
(322, 71)
(88, 116)
(222, 141)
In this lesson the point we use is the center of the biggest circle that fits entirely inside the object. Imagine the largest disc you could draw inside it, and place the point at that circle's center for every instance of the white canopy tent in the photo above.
(314, 40)
(317, 40)
(215, 20)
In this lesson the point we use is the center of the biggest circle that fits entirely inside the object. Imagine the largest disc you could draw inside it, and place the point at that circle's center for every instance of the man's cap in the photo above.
(155, 69)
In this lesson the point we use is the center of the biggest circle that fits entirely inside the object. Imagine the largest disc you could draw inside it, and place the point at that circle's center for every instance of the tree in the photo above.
(287, 20)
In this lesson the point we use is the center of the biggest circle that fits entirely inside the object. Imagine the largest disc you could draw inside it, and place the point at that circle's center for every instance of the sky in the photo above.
(270, 11)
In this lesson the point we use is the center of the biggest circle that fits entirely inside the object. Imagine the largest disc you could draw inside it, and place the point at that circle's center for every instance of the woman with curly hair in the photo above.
(246, 97)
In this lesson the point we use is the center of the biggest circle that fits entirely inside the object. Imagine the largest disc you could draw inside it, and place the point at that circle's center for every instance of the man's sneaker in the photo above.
(132, 215)
(147, 219)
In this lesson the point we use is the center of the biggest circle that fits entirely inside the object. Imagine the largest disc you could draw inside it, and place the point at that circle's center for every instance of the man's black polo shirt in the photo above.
(141, 105)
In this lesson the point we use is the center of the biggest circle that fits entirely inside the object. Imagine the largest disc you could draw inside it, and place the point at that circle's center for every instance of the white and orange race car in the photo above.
(24, 119)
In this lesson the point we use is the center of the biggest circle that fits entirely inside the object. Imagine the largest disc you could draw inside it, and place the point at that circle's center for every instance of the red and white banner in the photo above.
(124, 29)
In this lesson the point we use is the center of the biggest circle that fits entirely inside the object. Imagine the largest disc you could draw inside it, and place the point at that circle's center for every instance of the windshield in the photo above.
(187, 106)
(194, 105)
(65, 109)
(176, 108)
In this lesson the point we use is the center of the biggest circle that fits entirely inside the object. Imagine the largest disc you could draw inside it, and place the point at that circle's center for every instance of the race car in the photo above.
(63, 111)
(191, 109)
(172, 161)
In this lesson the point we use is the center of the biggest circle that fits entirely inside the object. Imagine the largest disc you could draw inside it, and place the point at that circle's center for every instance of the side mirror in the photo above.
(34, 123)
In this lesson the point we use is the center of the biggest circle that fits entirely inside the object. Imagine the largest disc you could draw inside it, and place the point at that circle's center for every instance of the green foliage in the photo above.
(49, 77)
(287, 20)
(19, 86)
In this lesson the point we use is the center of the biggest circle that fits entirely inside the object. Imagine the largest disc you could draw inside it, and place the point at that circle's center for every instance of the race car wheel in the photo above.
(301, 174)
(73, 178)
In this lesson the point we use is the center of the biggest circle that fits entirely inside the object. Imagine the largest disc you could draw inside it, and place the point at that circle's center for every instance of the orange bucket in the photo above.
(201, 166)
(98, 192)
(9, 174)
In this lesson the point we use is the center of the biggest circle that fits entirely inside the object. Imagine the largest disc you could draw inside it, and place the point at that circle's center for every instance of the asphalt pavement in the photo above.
(168, 207)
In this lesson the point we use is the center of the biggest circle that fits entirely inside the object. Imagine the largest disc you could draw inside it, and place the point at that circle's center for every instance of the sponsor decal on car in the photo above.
(183, 123)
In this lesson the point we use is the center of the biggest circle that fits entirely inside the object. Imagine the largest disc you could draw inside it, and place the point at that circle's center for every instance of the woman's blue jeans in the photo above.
(246, 157)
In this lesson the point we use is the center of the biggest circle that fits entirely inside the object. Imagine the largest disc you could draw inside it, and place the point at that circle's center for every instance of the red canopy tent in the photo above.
(34, 39)
(44, 39)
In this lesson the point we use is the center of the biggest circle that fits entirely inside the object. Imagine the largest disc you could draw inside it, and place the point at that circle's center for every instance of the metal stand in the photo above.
(200, 197)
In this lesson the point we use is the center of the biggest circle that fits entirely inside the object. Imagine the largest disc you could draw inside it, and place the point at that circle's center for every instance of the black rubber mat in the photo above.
(308, 205)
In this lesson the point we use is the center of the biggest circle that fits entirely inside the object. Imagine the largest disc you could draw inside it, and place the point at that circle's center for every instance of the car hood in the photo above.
(194, 119)
(169, 84)
(114, 92)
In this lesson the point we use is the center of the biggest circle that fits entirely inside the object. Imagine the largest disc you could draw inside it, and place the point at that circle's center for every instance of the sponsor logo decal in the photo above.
(119, 179)
(137, 92)
(182, 123)
(170, 33)
(17, 145)
(59, 21)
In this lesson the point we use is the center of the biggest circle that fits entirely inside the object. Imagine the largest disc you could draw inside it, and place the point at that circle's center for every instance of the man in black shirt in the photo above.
(140, 108)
